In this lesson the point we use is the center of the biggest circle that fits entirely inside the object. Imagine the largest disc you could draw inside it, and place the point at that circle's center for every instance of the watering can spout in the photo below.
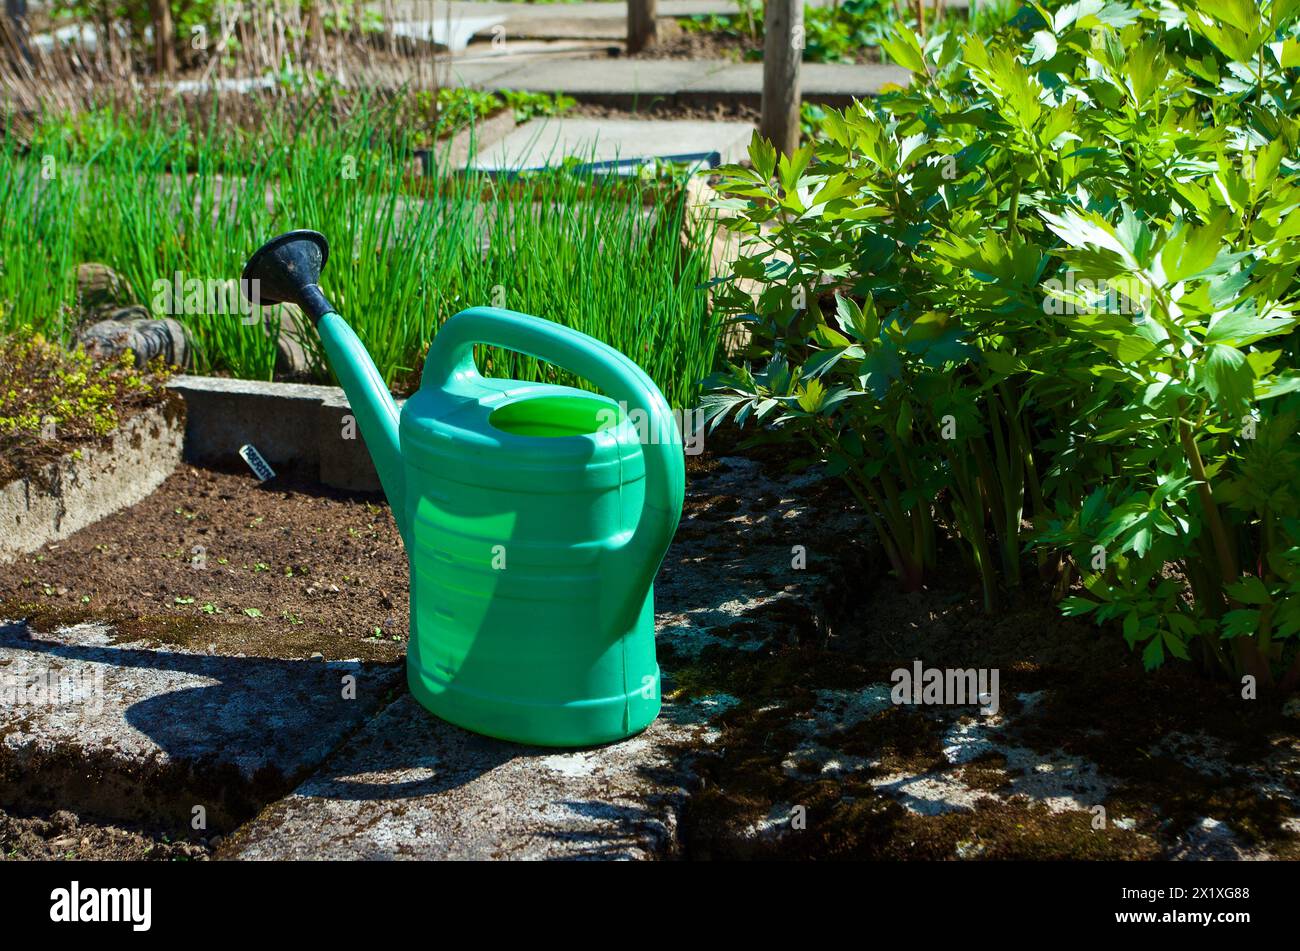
(287, 269)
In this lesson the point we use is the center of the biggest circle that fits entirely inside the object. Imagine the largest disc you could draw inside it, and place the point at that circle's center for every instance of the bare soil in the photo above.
(661, 109)
(63, 835)
(216, 560)
(682, 44)
(1096, 703)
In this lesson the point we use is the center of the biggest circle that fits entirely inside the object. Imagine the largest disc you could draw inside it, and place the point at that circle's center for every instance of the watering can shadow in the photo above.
(273, 721)
(534, 516)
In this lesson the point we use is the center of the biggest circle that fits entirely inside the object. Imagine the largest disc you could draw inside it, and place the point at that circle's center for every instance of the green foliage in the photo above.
(531, 105)
(435, 115)
(187, 16)
(834, 34)
(1045, 298)
(841, 32)
(53, 399)
(420, 118)
(615, 259)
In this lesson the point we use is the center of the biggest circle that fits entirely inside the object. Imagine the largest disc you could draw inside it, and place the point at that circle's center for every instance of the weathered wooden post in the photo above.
(782, 50)
(163, 40)
(642, 31)
(314, 27)
(15, 28)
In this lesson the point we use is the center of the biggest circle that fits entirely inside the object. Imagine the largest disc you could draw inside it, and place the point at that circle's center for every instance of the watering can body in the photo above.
(535, 516)
(536, 521)
(524, 624)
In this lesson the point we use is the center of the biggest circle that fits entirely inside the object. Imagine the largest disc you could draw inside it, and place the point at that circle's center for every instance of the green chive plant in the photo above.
(613, 258)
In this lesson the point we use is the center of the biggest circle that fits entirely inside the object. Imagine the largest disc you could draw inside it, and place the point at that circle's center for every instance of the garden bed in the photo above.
(798, 687)
(284, 568)
(472, 243)
(78, 439)
(729, 44)
(1179, 766)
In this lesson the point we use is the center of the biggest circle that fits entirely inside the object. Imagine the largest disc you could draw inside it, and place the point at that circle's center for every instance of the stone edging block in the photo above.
(76, 491)
(290, 424)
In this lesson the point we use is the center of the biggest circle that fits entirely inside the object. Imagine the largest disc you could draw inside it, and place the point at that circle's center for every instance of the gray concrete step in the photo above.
(625, 143)
(637, 83)
(96, 723)
(413, 786)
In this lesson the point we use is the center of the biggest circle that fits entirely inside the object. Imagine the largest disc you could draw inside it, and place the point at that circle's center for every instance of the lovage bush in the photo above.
(1043, 299)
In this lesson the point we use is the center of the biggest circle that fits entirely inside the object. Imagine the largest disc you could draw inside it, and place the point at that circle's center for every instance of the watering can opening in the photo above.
(287, 269)
(552, 416)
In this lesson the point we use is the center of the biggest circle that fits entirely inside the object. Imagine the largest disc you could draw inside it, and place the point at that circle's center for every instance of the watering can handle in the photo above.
(451, 359)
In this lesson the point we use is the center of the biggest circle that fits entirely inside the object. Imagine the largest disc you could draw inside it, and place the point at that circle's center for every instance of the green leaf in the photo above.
(1088, 230)
(1249, 590)
(1229, 379)
(1043, 45)
(1242, 14)
(1075, 606)
(811, 395)
(1176, 646)
(1154, 653)
(1239, 328)
(792, 167)
(762, 154)
(1279, 385)
(1240, 623)
(851, 316)
(903, 425)
(1190, 250)
(904, 48)
(880, 370)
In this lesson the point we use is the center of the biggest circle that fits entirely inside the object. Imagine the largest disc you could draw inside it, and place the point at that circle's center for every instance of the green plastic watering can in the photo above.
(535, 516)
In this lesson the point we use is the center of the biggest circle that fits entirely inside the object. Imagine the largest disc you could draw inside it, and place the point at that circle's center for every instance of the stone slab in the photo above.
(224, 414)
(626, 82)
(480, 135)
(77, 491)
(344, 459)
(483, 71)
(118, 730)
(449, 32)
(638, 83)
(631, 142)
(600, 9)
(411, 786)
(522, 52)
(558, 23)
(551, 19)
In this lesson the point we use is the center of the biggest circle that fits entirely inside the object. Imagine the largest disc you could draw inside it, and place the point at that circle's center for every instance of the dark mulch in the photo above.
(670, 109)
(1095, 702)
